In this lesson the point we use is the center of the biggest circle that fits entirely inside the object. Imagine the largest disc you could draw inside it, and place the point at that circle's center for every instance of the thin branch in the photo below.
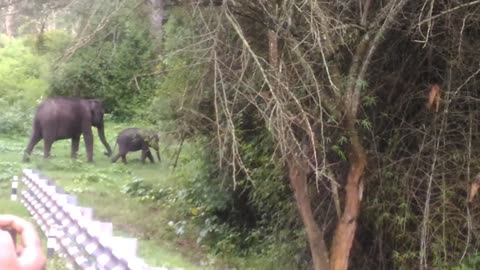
(448, 11)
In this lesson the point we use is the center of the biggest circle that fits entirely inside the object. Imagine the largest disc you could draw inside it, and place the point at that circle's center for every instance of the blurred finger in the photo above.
(31, 252)
(8, 257)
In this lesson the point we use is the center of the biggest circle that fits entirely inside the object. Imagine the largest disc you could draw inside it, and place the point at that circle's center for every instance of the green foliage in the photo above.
(17, 117)
(22, 73)
(338, 148)
(365, 124)
(248, 220)
(369, 101)
(362, 84)
(181, 68)
(114, 68)
(470, 263)
(8, 170)
(57, 263)
(146, 191)
(52, 43)
(23, 82)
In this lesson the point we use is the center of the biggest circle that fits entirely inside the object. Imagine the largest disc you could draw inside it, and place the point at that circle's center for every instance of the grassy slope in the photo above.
(100, 185)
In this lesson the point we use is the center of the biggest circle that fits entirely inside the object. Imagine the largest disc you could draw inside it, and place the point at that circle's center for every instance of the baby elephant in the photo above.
(134, 139)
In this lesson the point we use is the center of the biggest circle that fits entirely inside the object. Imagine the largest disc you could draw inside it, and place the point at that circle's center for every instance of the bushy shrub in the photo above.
(114, 68)
(181, 68)
(23, 82)
(146, 191)
(16, 118)
(51, 44)
(470, 263)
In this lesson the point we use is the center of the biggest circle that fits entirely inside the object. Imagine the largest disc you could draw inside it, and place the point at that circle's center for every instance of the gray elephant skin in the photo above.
(67, 118)
(134, 139)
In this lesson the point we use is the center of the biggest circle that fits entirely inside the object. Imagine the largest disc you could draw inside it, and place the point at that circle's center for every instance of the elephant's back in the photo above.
(129, 135)
(64, 111)
(128, 132)
(62, 101)
(60, 105)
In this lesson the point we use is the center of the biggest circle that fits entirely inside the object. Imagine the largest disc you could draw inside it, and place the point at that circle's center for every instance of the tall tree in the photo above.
(157, 16)
(306, 88)
(10, 19)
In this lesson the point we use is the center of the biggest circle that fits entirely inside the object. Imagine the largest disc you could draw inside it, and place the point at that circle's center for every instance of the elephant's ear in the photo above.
(96, 109)
(92, 105)
(151, 136)
(95, 103)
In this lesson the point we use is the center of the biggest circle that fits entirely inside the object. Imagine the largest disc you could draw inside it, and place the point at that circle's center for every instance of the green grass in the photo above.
(101, 186)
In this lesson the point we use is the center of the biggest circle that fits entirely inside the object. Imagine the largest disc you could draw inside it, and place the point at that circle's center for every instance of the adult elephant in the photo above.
(67, 118)
(134, 139)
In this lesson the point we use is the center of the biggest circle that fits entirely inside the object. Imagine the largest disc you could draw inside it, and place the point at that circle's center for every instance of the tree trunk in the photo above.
(9, 28)
(52, 21)
(297, 175)
(347, 224)
(157, 9)
(345, 232)
(318, 248)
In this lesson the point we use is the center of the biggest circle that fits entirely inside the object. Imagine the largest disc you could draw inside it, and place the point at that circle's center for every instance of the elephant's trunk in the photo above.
(158, 155)
(101, 134)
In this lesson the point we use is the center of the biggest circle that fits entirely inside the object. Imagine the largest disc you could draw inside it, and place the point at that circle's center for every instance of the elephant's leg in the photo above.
(150, 156)
(144, 155)
(88, 137)
(47, 146)
(34, 139)
(122, 152)
(75, 144)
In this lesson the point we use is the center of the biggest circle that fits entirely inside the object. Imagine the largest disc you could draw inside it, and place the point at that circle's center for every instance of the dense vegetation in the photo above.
(304, 121)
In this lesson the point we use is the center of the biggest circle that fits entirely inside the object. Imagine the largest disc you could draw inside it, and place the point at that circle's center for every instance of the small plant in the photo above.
(146, 191)
(8, 170)
(470, 263)
(92, 178)
(179, 227)
(369, 101)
